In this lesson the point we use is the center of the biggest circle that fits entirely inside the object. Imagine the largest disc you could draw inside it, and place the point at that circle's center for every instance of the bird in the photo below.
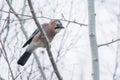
(38, 40)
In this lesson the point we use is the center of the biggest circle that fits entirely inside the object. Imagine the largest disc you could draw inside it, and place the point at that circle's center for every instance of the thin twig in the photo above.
(47, 40)
(15, 12)
(3, 28)
(30, 17)
(106, 44)
(11, 8)
(24, 32)
(39, 66)
(6, 58)
(29, 75)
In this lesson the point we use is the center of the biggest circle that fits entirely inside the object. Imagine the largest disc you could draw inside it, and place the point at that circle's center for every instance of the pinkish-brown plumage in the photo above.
(38, 40)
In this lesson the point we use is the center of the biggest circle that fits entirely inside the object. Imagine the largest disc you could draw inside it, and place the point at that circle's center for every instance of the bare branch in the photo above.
(15, 12)
(11, 8)
(39, 66)
(24, 32)
(47, 40)
(29, 75)
(6, 58)
(30, 17)
(106, 44)
(1, 78)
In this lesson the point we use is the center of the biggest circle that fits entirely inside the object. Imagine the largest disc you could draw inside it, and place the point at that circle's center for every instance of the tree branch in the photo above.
(13, 11)
(47, 40)
(6, 58)
(30, 17)
(105, 44)
(24, 32)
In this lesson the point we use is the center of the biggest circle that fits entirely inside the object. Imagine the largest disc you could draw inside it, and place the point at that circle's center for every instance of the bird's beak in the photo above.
(59, 25)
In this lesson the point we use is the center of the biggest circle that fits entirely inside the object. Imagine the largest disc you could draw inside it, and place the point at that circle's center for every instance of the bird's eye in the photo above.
(57, 22)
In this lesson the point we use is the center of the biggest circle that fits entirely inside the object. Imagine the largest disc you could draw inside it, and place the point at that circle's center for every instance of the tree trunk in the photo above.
(93, 42)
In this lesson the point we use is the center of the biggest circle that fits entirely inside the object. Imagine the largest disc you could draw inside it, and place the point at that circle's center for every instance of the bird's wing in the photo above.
(34, 33)
(31, 37)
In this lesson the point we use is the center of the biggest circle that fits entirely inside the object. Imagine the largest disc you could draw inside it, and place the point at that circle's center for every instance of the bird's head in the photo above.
(57, 25)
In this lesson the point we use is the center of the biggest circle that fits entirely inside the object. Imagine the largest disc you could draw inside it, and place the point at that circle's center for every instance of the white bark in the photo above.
(93, 42)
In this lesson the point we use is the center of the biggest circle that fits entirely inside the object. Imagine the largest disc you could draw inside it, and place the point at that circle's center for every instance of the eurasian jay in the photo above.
(37, 40)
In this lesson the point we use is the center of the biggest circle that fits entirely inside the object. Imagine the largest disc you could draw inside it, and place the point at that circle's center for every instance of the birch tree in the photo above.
(93, 41)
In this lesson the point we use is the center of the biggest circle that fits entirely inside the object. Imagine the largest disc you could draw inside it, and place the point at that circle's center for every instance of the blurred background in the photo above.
(70, 47)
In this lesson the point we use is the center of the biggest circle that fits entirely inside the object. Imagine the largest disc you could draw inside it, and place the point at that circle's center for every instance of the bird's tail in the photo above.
(23, 59)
